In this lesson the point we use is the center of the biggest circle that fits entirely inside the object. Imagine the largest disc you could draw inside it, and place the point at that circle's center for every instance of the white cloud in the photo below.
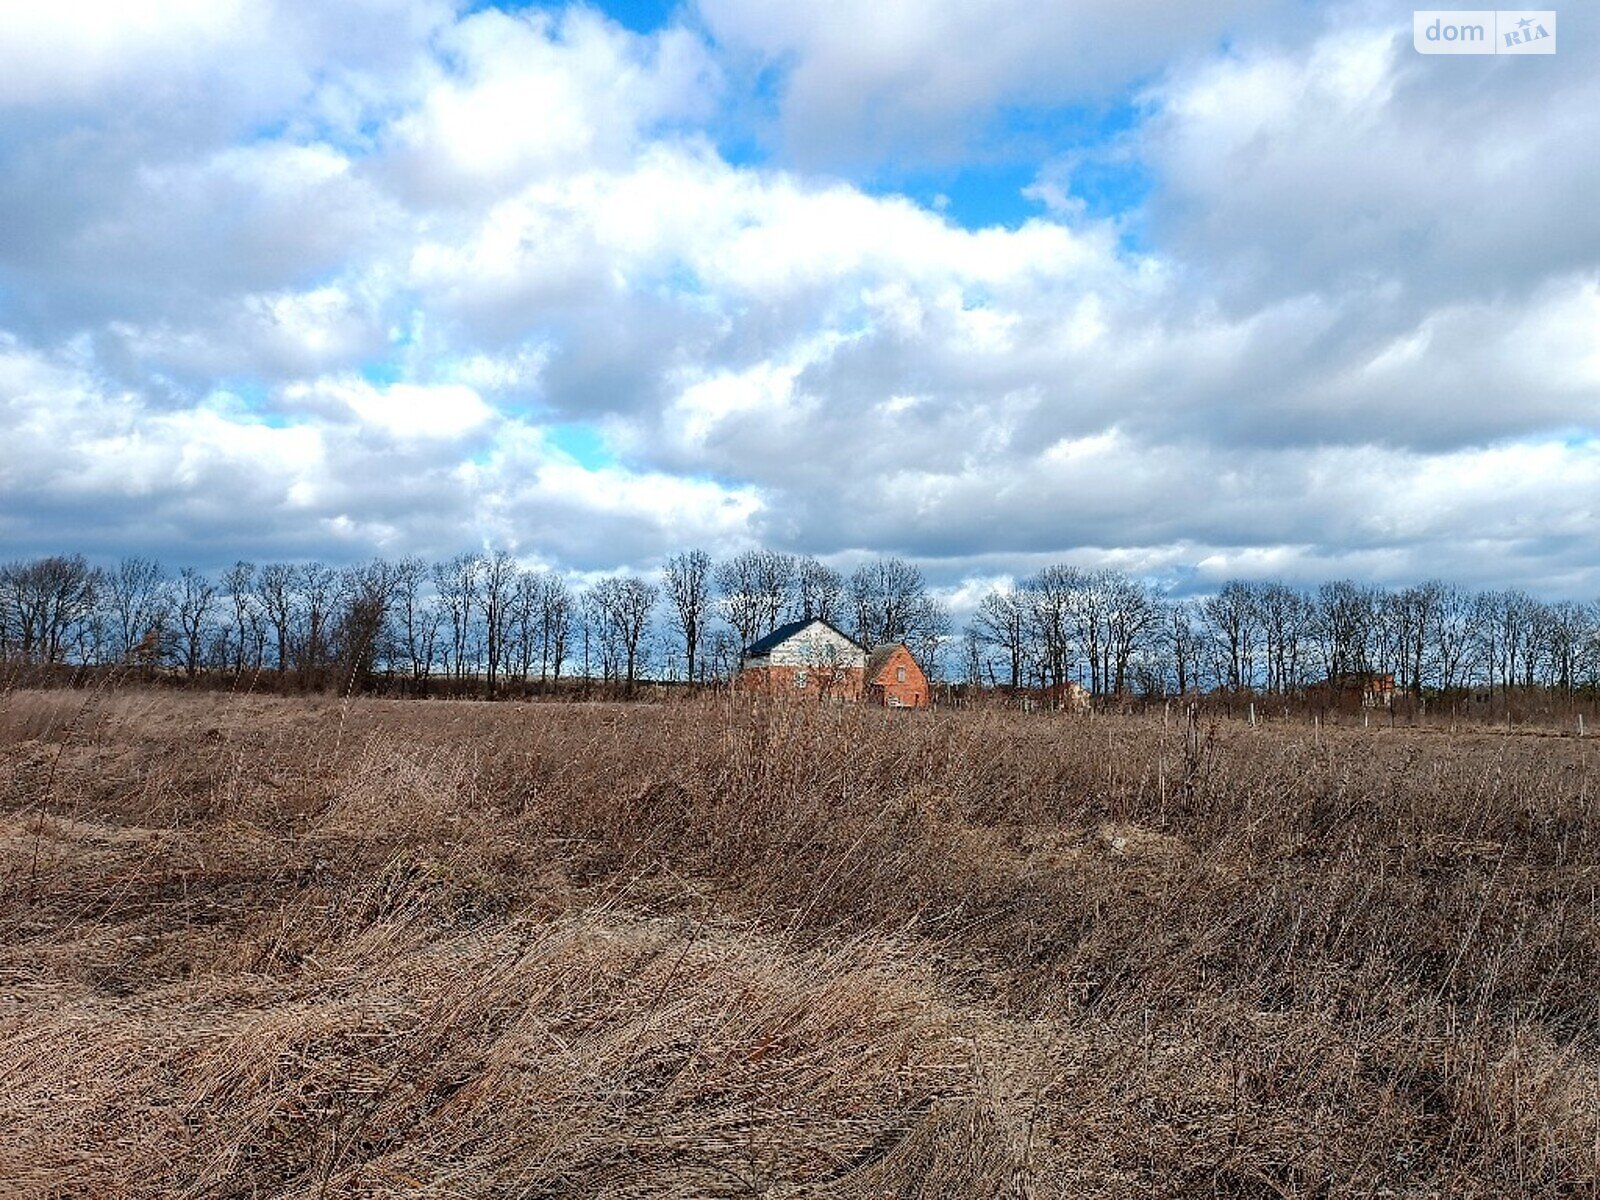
(1355, 159)
(71, 440)
(539, 94)
(402, 410)
(516, 372)
(212, 480)
(1317, 359)
(71, 50)
(765, 390)
(918, 80)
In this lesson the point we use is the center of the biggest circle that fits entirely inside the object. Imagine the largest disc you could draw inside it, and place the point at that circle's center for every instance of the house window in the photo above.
(800, 679)
(900, 674)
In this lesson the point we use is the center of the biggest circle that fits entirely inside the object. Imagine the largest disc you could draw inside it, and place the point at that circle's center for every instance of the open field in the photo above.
(261, 946)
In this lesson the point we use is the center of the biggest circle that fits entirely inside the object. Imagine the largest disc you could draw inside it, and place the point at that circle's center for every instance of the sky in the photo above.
(1244, 289)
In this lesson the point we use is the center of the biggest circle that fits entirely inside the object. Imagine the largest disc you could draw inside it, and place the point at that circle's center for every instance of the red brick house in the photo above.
(813, 658)
(893, 678)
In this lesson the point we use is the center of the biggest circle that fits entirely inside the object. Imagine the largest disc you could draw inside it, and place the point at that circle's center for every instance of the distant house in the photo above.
(1369, 689)
(1072, 696)
(815, 659)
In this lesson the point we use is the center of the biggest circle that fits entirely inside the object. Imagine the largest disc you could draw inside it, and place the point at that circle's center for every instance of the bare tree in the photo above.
(247, 637)
(586, 628)
(497, 584)
(688, 583)
(1103, 628)
(1050, 596)
(819, 590)
(1181, 633)
(275, 588)
(1133, 620)
(1569, 629)
(1230, 615)
(1536, 655)
(637, 600)
(602, 625)
(418, 619)
(1345, 627)
(926, 635)
(1452, 637)
(196, 597)
(1413, 614)
(623, 606)
(889, 602)
(1001, 621)
(522, 636)
(1089, 602)
(139, 597)
(1286, 622)
(556, 612)
(738, 586)
(319, 587)
(722, 653)
(756, 587)
(455, 583)
(775, 585)
(362, 634)
(1587, 666)
(1504, 622)
(49, 600)
(972, 657)
(434, 652)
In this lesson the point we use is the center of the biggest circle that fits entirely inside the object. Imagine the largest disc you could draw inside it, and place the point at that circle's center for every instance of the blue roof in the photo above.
(784, 632)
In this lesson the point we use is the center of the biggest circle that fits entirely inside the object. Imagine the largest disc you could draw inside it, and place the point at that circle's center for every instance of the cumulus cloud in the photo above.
(541, 94)
(918, 80)
(75, 52)
(1356, 160)
(403, 411)
(355, 307)
(360, 469)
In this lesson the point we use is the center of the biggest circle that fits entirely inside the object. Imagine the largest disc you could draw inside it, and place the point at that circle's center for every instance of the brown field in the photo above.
(260, 947)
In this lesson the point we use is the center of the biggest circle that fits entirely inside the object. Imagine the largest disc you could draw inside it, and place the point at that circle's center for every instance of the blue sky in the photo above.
(1197, 291)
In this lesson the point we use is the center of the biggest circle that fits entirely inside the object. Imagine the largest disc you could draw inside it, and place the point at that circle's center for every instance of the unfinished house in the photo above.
(814, 659)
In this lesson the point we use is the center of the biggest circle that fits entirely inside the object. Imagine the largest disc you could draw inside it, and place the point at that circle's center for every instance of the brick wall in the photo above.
(803, 683)
(890, 689)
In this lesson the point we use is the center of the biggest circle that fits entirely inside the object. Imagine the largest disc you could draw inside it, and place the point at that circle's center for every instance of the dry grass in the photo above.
(270, 947)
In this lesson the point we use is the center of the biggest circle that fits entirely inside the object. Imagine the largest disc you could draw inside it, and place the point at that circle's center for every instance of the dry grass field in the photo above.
(267, 947)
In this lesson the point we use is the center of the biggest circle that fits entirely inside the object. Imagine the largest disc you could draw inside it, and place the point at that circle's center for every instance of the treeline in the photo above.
(1119, 635)
(476, 619)
(482, 622)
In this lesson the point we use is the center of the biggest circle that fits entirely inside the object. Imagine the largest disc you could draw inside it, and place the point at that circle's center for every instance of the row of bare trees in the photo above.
(1115, 634)
(479, 617)
(484, 618)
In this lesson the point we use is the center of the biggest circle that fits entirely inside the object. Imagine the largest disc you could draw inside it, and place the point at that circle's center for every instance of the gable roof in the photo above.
(784, 632)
